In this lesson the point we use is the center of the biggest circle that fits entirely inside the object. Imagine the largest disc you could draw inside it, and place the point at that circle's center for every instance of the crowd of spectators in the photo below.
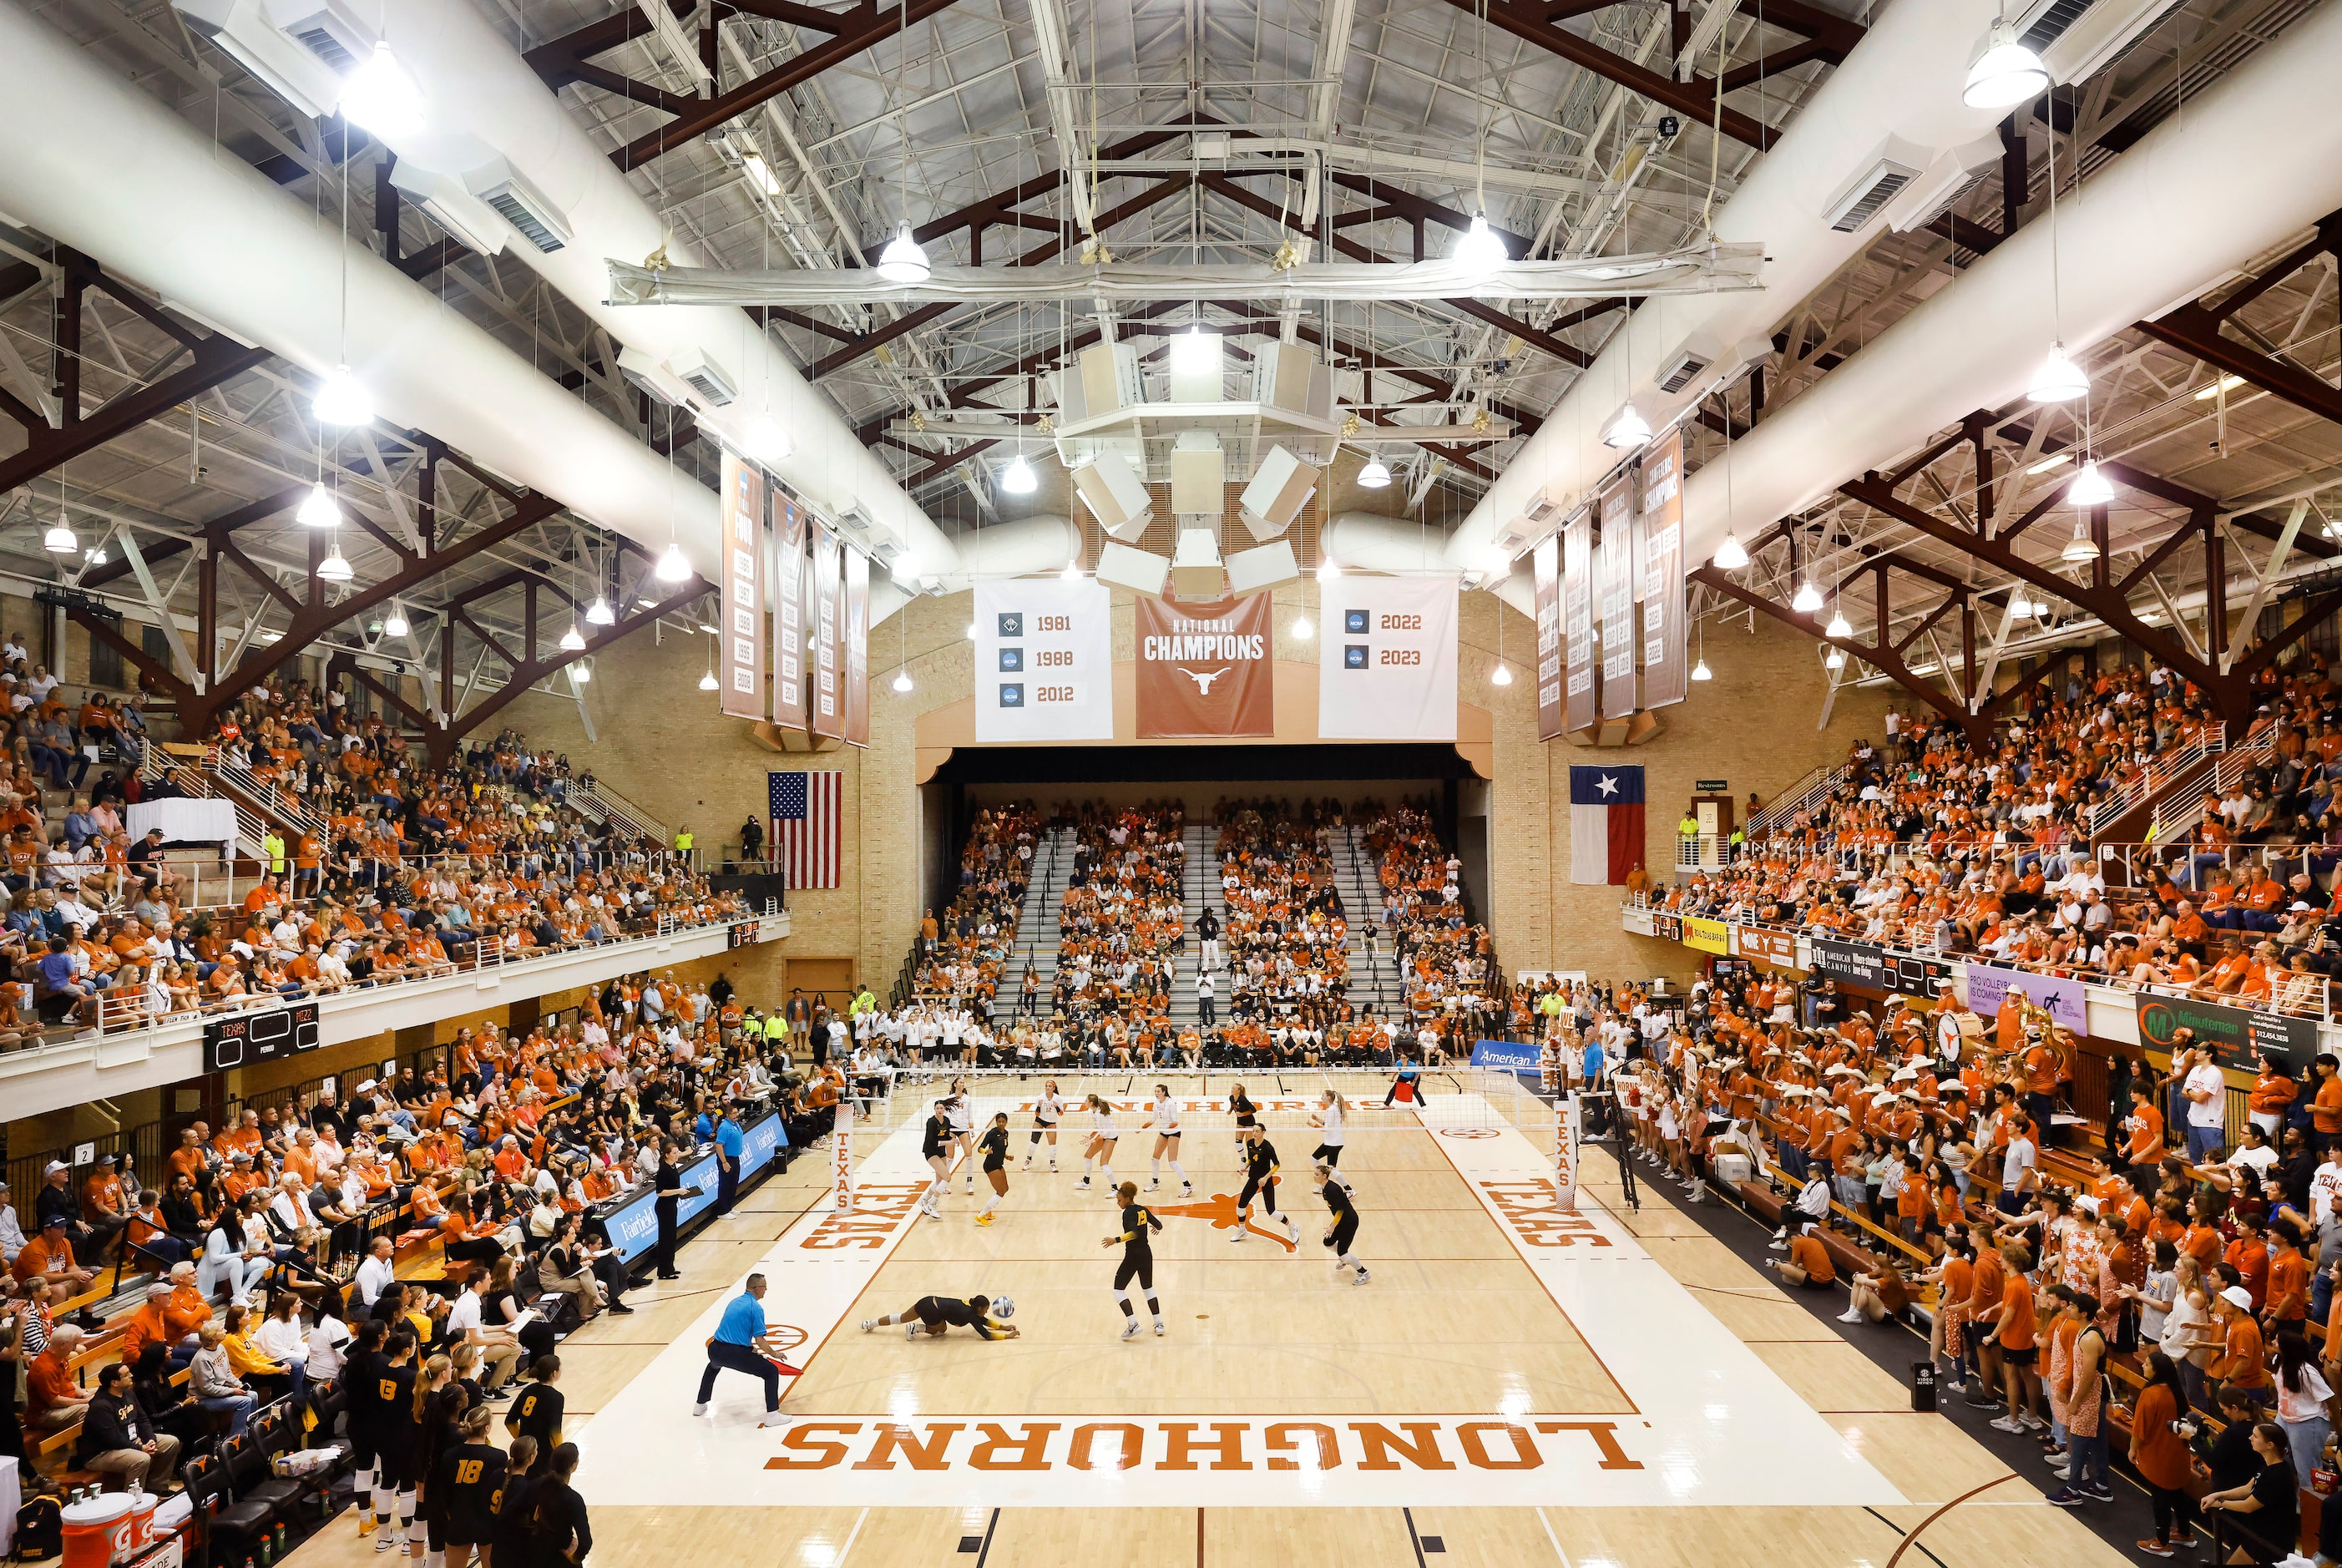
(1287, 936)
(1123, 918)
(962, 958)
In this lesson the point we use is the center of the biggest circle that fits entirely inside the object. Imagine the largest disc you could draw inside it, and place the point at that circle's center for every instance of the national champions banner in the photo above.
(1618, 594)
(1577, 619)
(1545, 563)
(1044, 660)
(741, 684)
(1206, 672)
(1386, 660)
(1665, 679)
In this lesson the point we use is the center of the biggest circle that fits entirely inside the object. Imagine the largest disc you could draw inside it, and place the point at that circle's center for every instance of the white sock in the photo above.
(406, 1514)
(434, 1560)
(992, 1203)
(382, 1502)
(364, 1484)
(1108, 1171)
(1087, 1161)
(1157, 1171)
(1123, 1297)
(1182, 1172)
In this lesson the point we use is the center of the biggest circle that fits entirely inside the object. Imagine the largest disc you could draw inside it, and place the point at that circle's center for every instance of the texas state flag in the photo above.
(1606, 824)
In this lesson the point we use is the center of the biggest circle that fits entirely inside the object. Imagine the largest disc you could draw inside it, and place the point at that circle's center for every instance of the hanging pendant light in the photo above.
(904, 260)
(902, 680)
(2059, 379)
(319, 510)
(335, 567)
(1374, 475)
(573, 641)
(2081, 549)
(1730, 556)
(381, 98)
(60, 540)
(1837, 626)
(2091, 488)
(1628, 431)
(971, 631)
(395, 625)
(598, 613)
(1018, 478)
(1502, 676)
(1073, 571)
(1480, 250)
(1302, 630)
(581, 672)
(1700, 671)
(1195, 349)
(766, 441)
(1837, 660)
(708, 682)
(1328, 571)
(672, 567)
(2004, 73)
(342, 400)
(1809, 601)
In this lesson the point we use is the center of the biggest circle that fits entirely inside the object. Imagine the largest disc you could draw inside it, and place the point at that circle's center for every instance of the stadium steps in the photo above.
(1037, 922)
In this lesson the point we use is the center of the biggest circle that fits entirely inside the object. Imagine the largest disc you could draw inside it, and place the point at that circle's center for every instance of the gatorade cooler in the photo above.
(141, 1533)
(98, 1531)
(1923, 1385)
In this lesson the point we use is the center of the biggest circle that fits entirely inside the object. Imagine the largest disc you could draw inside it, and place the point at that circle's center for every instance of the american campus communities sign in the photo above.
(2235, 1033)
(1876, 969)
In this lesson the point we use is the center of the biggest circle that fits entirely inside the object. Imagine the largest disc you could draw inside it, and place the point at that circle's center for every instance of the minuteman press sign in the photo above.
(1206, 672)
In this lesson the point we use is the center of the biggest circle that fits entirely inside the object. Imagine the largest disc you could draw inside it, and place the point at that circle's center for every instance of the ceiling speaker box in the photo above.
(1114, 495)
(1140, 571)
(1267, 566)
(1280, 488)
(1199, 475)
(1110, 377)
(1197, 574)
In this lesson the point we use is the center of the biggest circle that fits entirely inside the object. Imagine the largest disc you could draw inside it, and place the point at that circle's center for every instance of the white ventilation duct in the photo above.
(1370, 542)
(107, 169)
(485, 107)
(2256, 159)
(1900, 83)
(1016, 549)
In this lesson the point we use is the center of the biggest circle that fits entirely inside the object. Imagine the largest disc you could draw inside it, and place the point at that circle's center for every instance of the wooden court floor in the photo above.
(1455, 1319)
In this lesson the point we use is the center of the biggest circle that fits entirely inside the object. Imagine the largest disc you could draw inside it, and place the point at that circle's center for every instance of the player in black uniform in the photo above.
(1260, 1178)
(444, 1400)
(994, 1146)
(460, 1495)
(1335, 1189)
(536, 1411)
(1137, 1239)
(1242, 1108)
(398, 1439)
(509, 1536)
(936, 1147)
(360, 1368)
(939, 1314)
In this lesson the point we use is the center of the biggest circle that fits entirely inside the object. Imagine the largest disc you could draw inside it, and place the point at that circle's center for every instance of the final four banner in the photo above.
(1577, 620)
(1044, 660)
(1617, 593)
(857, 648)
(827, 692)
(1665, 679)
(1546, 562)
(1387, 659)
(741, 692)
(788, 612)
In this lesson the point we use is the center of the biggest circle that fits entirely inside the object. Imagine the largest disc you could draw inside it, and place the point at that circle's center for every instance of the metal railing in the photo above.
(2160, 774)
(263, 795)
(617, 809)
(2184, 810)
(1801, 793)
(159, 767)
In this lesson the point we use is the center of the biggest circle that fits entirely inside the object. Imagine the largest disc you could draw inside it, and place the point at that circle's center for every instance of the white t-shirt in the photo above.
(465, 1315)
(2207, 1113)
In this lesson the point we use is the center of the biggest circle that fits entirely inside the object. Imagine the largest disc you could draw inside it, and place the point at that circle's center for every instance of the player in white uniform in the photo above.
(1047, 1111)
(1328, 1115)
(1165, 1123)
(1100, 1149)
(960, 1111)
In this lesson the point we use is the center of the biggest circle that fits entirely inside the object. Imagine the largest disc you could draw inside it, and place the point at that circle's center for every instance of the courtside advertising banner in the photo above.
(1546, 563)
(1044, 660)
(857, 648)
(788, 612)
(1206, 672)
(1665, 677)
(1617, 595)
(1387, 659)
(1577, 618)
(741, 690)
(827, 693)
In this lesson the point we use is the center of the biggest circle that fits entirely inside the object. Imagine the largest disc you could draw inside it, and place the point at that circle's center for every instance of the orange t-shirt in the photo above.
(1809, 1255)
(2017, 1318)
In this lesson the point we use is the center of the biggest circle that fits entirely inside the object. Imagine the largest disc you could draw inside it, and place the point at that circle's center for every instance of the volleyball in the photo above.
(1003, 1308)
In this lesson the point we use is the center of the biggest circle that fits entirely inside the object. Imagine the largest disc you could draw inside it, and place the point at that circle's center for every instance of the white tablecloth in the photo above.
(184, 820)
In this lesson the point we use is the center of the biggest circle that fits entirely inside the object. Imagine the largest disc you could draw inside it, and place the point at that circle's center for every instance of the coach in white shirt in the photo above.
(378, 1272)
(2206, 1091)
(498, 1349)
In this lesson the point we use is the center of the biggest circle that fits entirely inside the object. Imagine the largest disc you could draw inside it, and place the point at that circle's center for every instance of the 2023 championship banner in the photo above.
(1387, 659)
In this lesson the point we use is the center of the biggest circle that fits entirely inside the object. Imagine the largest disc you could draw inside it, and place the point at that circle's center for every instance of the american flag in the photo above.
(805, 809)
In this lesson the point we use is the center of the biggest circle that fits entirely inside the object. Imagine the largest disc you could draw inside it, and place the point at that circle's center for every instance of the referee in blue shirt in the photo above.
(730, 1144)
(741, 1345)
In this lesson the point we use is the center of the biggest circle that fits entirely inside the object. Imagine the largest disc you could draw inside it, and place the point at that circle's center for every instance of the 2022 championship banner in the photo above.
(1386, 660)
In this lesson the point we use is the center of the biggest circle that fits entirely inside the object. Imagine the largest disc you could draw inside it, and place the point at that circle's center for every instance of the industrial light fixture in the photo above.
(2017, 608)
(581, 672)
(706, 628)
(342, 400)
(2004, 73)
(2047, 464)
(319, 510)
(1374, 475)
(573, 641)
(2091, 488)
(1700, 672)
(598, 613)
(1480, 250)
(708, 682)
(2081, 549)
(2059, 379)
(381, 98)
(767, 442)
(971, 631)
(902, 680)
(95, 555)
(1302, 630)
(1629, 430)
(1837, 626)
(59, 540)
(761, 173)
(904, 260)
(1073, 571)
(1808, 599)
(1018, 478)
(1327, 571)
(395, 625)
(672, 567)
(1195, 349)
(2226, 383)
(1837, 660)
(1502, 676)
(1730, 556)
(335, 567)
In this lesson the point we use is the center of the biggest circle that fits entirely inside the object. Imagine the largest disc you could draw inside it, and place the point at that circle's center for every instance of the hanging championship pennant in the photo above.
(741, 690)
(1577, 619)
(1665, 678)
(827, 690)
(1617, 579)
(1206, 672)
(1044, 660)
(1545, 561)
(1387, 659)
(857, 648)
(788, 613)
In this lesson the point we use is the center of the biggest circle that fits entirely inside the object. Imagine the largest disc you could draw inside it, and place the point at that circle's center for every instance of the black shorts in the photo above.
(398, 1469)
(1811, 1283)
(1265, 1190)
(1138, 1264)
(2026, 1357)
(932, 1311)
(1329, 1153)
(1343, 1234)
